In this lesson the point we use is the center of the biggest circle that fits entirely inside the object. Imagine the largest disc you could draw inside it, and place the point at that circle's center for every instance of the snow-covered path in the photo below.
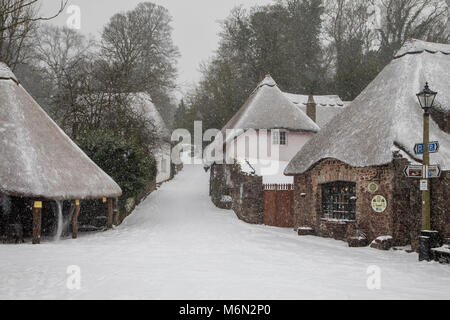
(177, 245)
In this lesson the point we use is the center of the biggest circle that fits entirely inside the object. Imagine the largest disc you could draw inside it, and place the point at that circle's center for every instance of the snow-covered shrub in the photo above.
(126, 161)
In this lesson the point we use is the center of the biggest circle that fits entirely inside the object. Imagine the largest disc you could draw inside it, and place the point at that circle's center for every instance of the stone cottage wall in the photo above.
(407, 219)
(440, 209)
(307, 210)
(402, 218)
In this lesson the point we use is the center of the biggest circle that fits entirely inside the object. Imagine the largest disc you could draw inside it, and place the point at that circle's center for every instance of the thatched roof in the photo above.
(269, 108)
(386, 116)
(142, 103)
(37, 159)
(327, 106)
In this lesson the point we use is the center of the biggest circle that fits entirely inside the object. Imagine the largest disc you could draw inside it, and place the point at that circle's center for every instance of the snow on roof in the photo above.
(268, 108)
(6, 73)
(142, 102)
(37, 159)
(385, 115)
(327, 107)
(419, 46)
(326, 101)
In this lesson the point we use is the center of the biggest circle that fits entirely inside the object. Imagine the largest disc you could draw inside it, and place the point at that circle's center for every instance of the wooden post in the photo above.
(75, 220)
(116, 212)
(37, 222)
(426, 195)
(110, 213)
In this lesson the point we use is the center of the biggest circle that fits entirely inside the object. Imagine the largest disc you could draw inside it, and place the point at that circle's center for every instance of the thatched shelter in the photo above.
(38, 160)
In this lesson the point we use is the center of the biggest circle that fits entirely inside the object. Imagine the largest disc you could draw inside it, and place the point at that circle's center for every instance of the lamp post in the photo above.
(426, 100)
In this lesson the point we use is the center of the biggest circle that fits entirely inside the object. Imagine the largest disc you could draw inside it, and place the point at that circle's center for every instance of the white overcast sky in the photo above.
(195, 24)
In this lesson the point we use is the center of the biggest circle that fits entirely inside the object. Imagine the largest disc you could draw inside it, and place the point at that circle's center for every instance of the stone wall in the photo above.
(244, 191)
(402, 218)
(440, 209)
(219, 192)
(442, 118)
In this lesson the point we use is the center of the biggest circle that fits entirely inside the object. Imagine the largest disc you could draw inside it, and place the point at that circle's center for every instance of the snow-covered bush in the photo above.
(126, 161)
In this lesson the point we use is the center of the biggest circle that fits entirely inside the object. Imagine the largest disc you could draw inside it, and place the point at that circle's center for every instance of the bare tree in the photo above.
(400, 20)
(62, 56)
(18, 24)
(138, 46)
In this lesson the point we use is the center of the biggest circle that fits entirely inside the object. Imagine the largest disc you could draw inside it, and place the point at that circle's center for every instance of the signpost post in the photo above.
(426, 99)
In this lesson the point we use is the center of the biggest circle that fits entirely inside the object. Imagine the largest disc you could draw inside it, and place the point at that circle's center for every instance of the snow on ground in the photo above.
(177, 245)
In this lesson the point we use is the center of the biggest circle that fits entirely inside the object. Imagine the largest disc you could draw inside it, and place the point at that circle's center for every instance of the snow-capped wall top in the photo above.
(6, 73)
(418, 46)
(384, 117)
(37, 159)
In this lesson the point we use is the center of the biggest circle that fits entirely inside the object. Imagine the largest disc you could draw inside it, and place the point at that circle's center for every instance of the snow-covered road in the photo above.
(177, 245)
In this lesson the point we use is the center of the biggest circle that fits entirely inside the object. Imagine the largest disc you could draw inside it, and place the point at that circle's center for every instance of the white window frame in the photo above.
(275, 137)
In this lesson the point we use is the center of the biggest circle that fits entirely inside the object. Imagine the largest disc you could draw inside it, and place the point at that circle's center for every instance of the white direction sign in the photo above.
(414, 172)
(423, 172)
(433, 172)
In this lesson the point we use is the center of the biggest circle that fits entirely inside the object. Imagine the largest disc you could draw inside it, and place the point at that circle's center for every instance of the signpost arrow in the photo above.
(414, 172)
(433, 147)
(433, 172)
(423, 172)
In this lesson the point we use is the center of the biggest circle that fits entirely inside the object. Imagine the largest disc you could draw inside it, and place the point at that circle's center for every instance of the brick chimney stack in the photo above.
(311, 108)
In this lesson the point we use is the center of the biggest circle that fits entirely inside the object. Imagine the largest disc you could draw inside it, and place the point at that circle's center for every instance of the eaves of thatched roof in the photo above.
(37, 159)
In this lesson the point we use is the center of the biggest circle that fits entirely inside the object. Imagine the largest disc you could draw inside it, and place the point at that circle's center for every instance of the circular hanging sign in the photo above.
(379, 204)
(372, 187)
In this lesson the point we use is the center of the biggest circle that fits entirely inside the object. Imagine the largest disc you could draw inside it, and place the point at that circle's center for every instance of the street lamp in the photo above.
(426, 100)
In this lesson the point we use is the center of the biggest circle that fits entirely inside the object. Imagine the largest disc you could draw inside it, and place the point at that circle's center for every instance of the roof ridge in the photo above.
(416, 46)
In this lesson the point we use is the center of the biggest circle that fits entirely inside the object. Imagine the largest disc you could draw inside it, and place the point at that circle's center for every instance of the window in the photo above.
(279, 137)
(283, 138)
(339, 201)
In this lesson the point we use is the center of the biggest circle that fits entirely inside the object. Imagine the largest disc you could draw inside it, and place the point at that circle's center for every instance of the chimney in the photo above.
(311, 108)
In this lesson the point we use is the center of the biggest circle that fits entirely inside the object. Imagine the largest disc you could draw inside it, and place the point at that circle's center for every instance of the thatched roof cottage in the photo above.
(357, 161)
